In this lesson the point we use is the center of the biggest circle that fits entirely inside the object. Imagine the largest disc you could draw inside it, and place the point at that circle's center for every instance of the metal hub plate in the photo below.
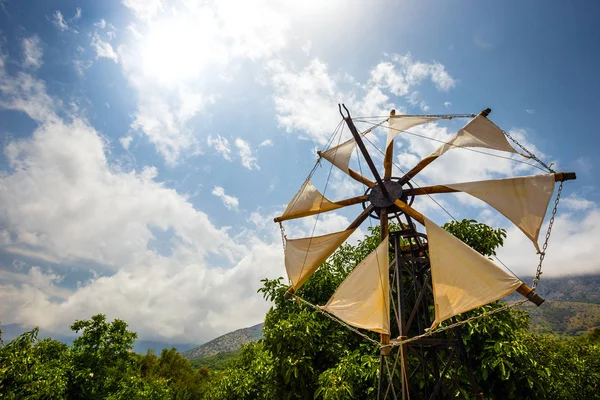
(379, 200)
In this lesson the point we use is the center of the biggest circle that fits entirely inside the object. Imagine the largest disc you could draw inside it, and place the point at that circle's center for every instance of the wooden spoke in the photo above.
(558, 177)
(342, 203)
(408, 210)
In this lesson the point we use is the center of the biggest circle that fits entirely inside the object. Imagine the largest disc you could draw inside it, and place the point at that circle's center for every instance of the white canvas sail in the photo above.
(462, 279)
(399, 123)
(308, 201)
(479, 132)
(304, 256)
(522, 200)
(363, 298)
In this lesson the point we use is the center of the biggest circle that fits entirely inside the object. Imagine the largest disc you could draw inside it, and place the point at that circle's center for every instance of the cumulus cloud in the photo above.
(221, 145)
(126, 141)
(64, 200)
(59, 21)
(103, 49)
(230, 202)
(266, 143)
(32, 52)
(245, 152)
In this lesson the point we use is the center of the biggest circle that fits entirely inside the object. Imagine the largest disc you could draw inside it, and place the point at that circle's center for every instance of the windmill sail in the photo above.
(479, 132)
(399, 123)
(304, 256)
(362, 300)
(462, 278)
(522, 200)
(308, 201)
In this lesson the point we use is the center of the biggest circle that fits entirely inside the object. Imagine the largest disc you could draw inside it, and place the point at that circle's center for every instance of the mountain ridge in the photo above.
(226, 343)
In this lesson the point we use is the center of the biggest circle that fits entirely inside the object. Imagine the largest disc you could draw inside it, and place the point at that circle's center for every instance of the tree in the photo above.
(101, 357)
(32, 368)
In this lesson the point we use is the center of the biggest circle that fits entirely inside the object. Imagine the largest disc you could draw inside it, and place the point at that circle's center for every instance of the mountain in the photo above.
(228, 342)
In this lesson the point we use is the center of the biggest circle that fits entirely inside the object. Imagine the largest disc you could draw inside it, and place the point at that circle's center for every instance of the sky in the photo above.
(147, 145)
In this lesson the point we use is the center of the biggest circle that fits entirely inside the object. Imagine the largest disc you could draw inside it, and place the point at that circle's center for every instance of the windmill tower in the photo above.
(393, 290)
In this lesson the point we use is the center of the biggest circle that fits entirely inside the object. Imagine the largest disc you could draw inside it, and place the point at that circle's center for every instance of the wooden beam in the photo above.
(389, 156)
(530, 294)
(341, 203)
(408, 210)
(384, 338)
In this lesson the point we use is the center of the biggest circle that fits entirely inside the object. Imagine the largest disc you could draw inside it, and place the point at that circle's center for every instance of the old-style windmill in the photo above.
(394, 298)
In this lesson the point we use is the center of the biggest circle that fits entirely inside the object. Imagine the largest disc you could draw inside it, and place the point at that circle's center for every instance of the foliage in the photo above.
(216, 362)
(480, 237)
(99, 365)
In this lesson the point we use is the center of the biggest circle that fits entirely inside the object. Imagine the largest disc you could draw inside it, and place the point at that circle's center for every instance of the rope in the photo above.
(339, 321)
(456, 324)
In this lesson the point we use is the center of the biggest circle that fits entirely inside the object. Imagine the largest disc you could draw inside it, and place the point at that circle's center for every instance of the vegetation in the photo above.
(99, 365)
(303, 354)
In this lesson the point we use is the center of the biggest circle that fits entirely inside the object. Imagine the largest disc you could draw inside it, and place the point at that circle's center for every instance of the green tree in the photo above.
(32, 368)
(101, 357)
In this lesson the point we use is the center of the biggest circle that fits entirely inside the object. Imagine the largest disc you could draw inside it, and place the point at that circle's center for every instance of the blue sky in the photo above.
(147, 145)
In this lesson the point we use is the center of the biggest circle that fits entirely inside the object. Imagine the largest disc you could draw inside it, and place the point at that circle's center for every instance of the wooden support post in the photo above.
(383, 218)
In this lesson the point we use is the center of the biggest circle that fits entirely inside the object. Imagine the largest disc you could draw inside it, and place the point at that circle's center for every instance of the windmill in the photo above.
(442, 271)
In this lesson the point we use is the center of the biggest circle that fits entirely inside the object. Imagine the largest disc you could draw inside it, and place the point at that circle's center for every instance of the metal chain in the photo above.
(283, 237)
(538, 273)
(531, 155)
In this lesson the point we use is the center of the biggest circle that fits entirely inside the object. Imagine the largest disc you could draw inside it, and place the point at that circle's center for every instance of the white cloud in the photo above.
(248, 160)
(32, 52)
(77, 14)
(144, 9)
(103, 49)
(59, 21)
(576, 203)
(100, 24)
(306, 100)
(571, 251)
(165, 58)
(126, 141)
(529, 111)
(306, 47)
(230, 202)
(266, 143)
(447, 104)
(221, 145)
(415, 101)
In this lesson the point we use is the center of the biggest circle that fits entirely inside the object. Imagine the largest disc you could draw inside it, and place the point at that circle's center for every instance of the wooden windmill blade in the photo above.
(523, 200)
(479, 132)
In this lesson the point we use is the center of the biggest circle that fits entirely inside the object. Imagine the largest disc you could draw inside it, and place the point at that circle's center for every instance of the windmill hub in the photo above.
(378, 198)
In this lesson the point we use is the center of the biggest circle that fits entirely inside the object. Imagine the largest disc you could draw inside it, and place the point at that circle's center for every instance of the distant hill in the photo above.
(564, 318)
(229, 342)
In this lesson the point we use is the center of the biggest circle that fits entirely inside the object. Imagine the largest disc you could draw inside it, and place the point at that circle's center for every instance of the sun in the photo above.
(180, 48)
